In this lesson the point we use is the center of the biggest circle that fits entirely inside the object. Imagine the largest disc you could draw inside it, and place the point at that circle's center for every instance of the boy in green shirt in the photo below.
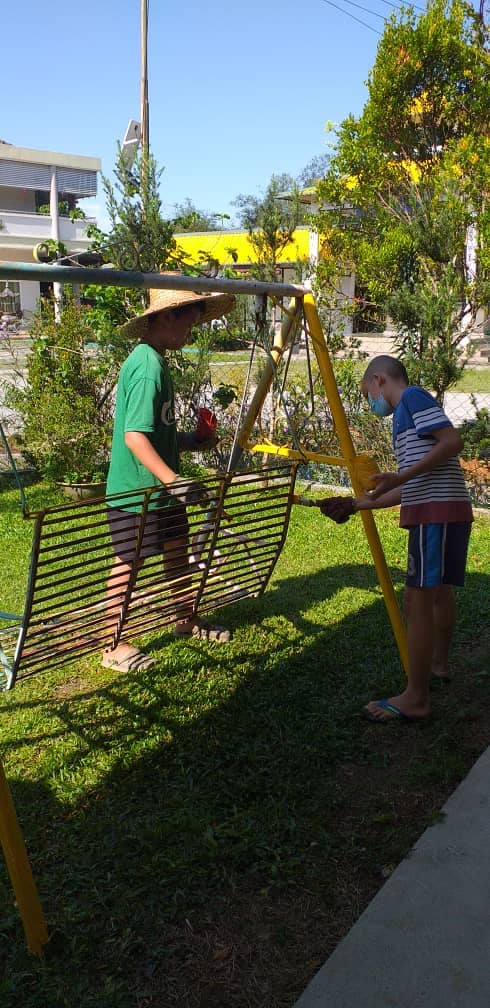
(145, 452)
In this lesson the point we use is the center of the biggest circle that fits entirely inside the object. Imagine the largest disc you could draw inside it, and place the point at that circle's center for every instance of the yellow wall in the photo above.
(217, 245)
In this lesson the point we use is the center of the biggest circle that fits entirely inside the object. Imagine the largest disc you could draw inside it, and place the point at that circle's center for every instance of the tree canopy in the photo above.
(405, 196)
(140, 237)
(270, 221)
(189, 218)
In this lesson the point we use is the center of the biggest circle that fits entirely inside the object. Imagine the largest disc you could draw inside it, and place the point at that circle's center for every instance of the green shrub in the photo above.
(65, 402)
(476, 435)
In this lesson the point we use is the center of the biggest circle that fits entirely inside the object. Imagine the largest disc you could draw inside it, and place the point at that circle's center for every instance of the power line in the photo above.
(368, 11)
(353, 16)
(376, 13)
(397, 6)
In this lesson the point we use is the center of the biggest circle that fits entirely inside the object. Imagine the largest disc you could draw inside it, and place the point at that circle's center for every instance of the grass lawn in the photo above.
(474, 380)
(202, 835)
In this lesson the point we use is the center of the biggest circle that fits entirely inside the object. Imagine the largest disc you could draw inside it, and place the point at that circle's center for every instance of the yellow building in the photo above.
(233, 249)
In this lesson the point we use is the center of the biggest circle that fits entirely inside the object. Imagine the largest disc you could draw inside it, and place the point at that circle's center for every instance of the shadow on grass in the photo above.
(210, 789)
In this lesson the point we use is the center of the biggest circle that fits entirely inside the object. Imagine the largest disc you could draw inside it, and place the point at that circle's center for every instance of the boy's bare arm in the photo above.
(387, 493)
(448, 444)
(142, 448)
(368, 502)
(187, 491)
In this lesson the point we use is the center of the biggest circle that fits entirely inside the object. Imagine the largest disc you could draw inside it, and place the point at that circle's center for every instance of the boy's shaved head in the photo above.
(384, 364)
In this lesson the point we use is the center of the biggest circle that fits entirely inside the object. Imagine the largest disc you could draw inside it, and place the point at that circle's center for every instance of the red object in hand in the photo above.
(206, 424)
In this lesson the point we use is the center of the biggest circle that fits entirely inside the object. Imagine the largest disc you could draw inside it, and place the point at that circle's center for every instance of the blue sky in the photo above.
(238, 91)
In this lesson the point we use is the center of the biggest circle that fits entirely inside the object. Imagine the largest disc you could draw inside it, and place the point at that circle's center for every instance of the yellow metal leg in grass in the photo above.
(20, 872)
(359, 470)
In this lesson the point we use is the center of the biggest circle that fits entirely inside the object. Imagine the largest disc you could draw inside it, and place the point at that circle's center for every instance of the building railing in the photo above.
(17, 224)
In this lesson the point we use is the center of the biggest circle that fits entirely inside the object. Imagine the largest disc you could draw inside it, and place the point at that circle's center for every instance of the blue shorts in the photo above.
(437, 554)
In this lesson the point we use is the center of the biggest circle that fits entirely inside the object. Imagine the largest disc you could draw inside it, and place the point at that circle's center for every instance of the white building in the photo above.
(29, 180)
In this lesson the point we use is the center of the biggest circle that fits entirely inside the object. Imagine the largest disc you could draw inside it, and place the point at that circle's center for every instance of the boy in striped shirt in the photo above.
(436, 510)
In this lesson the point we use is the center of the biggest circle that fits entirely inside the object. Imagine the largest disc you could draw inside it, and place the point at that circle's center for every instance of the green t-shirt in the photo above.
(144, 403)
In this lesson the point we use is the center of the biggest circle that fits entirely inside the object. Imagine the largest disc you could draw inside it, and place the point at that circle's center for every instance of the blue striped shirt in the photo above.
(439, 495)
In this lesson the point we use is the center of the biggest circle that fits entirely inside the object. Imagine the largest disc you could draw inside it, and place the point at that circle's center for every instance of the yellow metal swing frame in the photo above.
(215, 546)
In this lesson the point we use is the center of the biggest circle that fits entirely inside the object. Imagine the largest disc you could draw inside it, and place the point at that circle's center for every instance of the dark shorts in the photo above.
(161, 526)
(437, 554)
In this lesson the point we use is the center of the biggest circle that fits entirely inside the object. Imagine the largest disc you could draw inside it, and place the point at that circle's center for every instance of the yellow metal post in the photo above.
(20, 872)
(282, 341)
(359, 475)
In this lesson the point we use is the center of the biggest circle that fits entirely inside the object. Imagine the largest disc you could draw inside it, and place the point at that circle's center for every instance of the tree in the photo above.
(314, 170)
(140, 238)
(189, 218)
(406, 191)
(270, 221)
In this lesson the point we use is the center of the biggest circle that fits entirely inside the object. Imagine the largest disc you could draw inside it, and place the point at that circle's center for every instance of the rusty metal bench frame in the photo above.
(233, 548)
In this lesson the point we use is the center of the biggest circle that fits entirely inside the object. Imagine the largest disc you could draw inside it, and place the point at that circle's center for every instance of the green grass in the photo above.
(474, 380)
(162, 810)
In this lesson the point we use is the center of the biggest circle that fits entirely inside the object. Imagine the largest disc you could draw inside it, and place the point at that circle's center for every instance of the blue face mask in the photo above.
(380, 407)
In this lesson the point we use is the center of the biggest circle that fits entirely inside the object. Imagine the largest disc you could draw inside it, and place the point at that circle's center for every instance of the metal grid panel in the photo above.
(231, 553)
(233, 548)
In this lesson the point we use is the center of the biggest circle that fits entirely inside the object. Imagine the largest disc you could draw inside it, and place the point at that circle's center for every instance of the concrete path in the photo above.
(424, 940)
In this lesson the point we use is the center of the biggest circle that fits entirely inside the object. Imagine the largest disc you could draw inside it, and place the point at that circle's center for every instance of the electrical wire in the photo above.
(353, 16)
(398, 7)
(369, 11)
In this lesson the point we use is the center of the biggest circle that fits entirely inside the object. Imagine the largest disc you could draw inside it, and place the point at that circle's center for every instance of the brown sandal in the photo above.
(133, 660)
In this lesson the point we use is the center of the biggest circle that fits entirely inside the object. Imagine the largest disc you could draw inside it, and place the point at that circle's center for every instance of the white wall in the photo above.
(29, 296)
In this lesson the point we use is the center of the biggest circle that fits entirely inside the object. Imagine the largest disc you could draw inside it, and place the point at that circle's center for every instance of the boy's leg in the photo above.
(414, 701)
(425, 570)
(179, 580)
(124, 657)
(436, 561)
(444, 621)
(117, 586)
(178, 577)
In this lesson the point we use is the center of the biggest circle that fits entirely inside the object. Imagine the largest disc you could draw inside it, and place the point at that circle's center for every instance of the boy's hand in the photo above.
(207, 445)
(385, 482)
(188, 441)
(339, 509)
(188, 491)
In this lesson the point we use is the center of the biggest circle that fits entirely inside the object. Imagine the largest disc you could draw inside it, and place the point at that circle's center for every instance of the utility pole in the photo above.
(145, 123)
(145, 119)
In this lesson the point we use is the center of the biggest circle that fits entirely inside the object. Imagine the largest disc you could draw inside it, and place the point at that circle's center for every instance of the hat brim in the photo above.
(214, 306)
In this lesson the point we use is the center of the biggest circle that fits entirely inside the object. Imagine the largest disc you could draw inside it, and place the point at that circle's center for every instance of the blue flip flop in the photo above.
(395, 712)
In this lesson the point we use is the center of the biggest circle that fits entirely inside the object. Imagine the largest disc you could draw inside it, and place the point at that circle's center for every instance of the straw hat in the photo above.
(214, 306)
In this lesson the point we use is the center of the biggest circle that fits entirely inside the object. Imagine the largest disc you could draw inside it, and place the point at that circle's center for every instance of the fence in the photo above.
(294, 401)
(296, 406)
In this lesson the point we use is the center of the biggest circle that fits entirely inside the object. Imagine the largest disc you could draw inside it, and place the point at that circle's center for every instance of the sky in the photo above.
(237, 91)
